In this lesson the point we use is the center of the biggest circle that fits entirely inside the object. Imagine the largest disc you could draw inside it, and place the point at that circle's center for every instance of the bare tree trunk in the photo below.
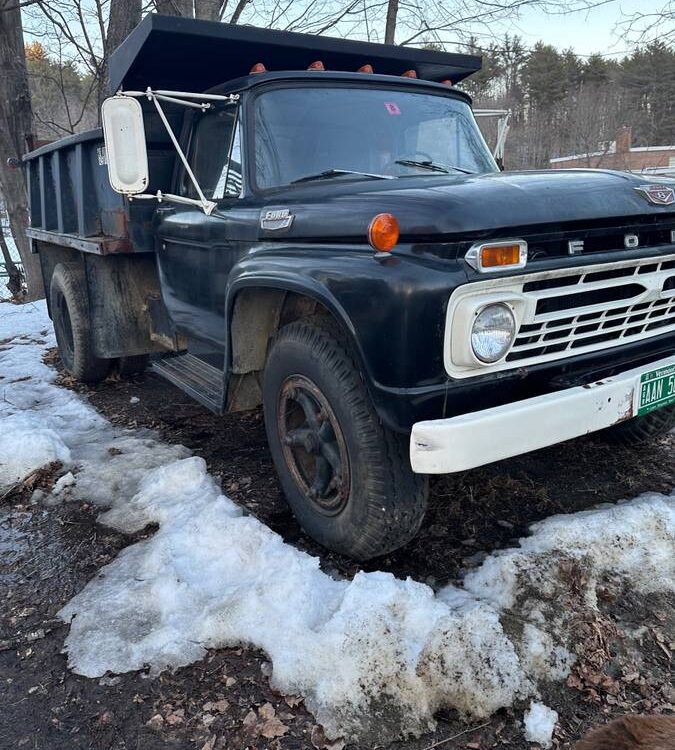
(15, 279)
(208, 10)
(175, 7)
(16, 127)
(125, 15)
(390, 28)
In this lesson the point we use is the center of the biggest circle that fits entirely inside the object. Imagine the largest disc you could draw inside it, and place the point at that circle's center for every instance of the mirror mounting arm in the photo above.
(182, 98)
(207, 207)
(205, 204)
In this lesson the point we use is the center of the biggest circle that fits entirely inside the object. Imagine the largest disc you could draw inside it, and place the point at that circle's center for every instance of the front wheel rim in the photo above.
(313, 445)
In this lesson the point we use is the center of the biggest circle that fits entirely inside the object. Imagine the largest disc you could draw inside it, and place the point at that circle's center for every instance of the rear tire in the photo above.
(70, 314)
(640, 430)
(347, 477)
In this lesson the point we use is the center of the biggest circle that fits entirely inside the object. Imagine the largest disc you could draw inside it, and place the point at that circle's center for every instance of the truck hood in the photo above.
(435, 207)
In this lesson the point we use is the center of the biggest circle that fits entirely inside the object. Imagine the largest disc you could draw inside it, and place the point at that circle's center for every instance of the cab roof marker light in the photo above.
(503, 255)
(316, 65)
(258, 68)
(409, 74)
(367, 68)
(447, 82)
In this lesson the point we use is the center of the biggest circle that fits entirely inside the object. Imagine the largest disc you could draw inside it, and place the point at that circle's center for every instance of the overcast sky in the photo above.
(586, 32)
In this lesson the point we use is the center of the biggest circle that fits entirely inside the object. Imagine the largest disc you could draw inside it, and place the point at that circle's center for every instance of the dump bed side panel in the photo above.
(71, 201)
(73, 205)
(76, 218)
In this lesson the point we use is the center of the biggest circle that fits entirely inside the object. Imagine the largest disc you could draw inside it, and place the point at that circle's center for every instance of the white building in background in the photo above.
(621, 154)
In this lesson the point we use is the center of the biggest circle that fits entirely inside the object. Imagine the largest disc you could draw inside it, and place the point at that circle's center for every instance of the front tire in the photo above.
(347, 477)
(640, 430)
(69, 305)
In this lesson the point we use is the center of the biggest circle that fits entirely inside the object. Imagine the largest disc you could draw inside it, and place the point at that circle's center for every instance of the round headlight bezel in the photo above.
(482, 357)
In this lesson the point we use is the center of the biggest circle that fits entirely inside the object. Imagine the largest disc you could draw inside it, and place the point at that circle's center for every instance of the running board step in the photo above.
(194, 376)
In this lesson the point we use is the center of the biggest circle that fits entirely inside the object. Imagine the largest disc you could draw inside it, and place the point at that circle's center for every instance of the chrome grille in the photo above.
(568, 312)
(597, 309)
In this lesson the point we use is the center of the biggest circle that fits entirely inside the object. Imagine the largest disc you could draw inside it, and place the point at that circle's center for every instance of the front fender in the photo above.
(391, 307)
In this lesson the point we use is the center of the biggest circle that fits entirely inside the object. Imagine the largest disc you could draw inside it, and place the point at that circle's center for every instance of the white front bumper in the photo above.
(442, 446)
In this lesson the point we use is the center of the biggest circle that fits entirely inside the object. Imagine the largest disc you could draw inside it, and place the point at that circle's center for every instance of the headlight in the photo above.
(493, 332)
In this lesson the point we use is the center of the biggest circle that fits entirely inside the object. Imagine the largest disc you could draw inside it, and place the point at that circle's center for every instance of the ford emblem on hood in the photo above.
(661, 195)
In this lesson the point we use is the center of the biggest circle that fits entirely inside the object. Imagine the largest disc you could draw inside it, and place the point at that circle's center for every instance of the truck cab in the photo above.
(339, 246)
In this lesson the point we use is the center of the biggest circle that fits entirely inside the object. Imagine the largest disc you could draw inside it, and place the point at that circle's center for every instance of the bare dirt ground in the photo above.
(48, 553)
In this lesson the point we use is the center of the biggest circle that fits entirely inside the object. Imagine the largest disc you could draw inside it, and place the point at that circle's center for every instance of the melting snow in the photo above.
(540, 721)
(374, 657)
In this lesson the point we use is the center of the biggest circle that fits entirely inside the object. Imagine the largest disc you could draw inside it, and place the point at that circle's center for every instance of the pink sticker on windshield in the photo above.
(392, 108)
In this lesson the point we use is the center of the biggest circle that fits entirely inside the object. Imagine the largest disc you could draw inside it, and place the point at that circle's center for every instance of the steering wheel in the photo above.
(392, 167)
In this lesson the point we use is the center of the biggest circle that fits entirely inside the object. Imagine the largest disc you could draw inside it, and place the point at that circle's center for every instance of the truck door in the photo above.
(196, 252)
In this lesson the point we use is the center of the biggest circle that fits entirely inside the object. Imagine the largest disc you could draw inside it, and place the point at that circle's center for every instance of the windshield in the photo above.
(305, 132)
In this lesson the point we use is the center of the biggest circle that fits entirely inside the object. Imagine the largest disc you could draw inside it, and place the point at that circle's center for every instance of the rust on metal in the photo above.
(313, 445)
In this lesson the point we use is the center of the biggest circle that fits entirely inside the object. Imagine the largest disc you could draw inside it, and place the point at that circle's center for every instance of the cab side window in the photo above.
(215, 155)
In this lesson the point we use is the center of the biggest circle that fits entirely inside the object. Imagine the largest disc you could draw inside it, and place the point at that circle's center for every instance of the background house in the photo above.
(620, 154)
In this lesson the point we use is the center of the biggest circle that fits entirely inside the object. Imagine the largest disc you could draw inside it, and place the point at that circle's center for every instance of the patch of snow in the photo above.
(374, 657)
(633, 539)
(211, 577)
(540, 721)
(134, 400)
(42, 423)
(541, 657)
(67, 480)
(25, 447)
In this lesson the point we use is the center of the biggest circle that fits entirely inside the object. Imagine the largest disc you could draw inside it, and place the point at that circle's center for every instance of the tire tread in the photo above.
(395, 496)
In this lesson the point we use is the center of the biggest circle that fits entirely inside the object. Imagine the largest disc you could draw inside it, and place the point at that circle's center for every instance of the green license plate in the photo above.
(657, 389)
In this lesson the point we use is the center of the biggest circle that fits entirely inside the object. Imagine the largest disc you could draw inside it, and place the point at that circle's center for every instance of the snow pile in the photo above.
(633, 539)
(25, 447)
(42, 423)
(540, 721)
(374, 657)
(211, 576)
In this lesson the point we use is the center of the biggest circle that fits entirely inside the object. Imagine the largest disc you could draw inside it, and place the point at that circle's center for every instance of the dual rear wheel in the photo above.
(69, 304)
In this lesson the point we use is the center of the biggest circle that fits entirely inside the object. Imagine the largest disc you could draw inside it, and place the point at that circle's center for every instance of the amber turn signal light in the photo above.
(383, 232)
(500, 255)
(497, 256)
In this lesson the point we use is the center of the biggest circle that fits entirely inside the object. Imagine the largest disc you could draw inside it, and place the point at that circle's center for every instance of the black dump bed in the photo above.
(71, 201)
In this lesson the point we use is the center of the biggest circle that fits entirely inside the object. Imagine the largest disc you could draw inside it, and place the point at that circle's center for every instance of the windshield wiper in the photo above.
(432, 166)
(329, 173)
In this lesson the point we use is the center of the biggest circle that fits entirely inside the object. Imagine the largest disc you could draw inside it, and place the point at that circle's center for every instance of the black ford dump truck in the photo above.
(274, 223)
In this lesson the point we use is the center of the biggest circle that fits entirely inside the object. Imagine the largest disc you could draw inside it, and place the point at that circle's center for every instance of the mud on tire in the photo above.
(370, 501)
(69, 306)
(640, 430)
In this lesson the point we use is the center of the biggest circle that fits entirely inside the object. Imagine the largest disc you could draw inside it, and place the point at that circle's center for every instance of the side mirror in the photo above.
(124, 135)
